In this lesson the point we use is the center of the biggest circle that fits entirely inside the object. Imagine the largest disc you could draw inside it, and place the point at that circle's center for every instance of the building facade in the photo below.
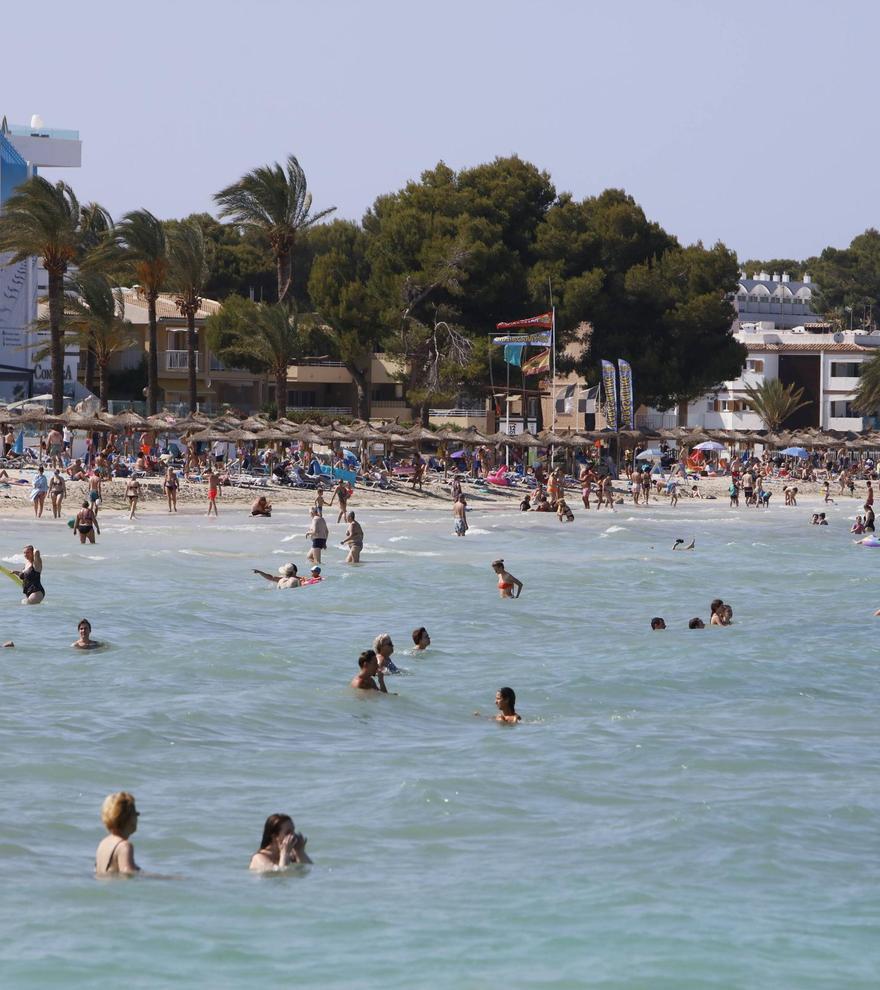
(774, 298)
(23, 150)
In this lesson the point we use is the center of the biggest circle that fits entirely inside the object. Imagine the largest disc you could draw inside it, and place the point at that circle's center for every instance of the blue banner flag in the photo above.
(513, 354)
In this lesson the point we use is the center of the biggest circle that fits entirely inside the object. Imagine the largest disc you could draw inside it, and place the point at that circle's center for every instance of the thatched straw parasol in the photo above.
(128, 419)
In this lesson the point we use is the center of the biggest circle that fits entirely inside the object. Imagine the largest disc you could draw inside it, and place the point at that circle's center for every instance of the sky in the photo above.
(752, 124)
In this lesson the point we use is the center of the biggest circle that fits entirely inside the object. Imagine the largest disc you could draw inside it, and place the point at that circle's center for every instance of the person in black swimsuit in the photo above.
(86, 524)
(31, 585)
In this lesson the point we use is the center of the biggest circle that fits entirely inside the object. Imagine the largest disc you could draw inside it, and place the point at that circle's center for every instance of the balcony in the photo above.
(179, 361)
(309, 371)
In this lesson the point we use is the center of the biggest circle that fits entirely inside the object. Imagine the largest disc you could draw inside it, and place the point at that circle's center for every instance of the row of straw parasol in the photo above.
(231, 429)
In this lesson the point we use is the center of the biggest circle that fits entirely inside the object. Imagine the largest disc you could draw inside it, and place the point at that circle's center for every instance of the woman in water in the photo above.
(716, 608)
(57, 491)
(384, 648)
(85, 642)
(506, 581)
(85, 525)
(505, 702)
(280, 847)
(115, 854)
(421, 639)
(171, 485)
(858, 527)
(31, 584)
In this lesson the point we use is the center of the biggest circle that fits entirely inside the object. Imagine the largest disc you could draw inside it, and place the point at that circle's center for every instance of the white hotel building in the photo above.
(787, 340)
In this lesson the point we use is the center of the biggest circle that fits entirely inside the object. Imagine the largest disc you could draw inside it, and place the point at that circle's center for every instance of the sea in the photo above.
(677, 809)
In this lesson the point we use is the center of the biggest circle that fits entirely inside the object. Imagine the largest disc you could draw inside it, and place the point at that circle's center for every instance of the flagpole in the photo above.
(507, 418)
(552, 352)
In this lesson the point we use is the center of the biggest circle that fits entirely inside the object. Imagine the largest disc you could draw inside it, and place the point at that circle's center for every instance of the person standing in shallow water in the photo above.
(31, 577)
(354, 537)
(506, 581)
(57, 491)
(459, 514)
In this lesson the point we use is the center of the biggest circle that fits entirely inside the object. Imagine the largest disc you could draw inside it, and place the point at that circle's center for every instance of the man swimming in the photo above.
(679, 545)
(365, 679)
(287, 576)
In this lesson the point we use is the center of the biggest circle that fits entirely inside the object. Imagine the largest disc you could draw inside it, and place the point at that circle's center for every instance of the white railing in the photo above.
(458, 413)
(323, 410)
(179, 360)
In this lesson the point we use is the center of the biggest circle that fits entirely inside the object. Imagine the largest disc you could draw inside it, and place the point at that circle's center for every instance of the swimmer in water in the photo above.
(384, 648)
(287, 577)
(85, 642)
(505, 702)
(30, 575)
(281, 846)
(115, 854)
(506, 581)
(369, 673)
(696, 623)
(421, 639)
(680, 545)
(658, 623)
(718, 613)
(261, 506)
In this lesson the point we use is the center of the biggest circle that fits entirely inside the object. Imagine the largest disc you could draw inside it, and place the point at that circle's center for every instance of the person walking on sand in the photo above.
(319, 500)
(341, 493)
(318, 533)
(39, 491)
(213, 490)
(85, 524)
(132, 493)
(354, 537)
(57, 491)
(506, 581)
(171, 486)
(459, 514)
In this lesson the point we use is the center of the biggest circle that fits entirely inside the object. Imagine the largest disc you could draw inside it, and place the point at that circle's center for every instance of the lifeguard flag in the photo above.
(538, 364)
(544, 320)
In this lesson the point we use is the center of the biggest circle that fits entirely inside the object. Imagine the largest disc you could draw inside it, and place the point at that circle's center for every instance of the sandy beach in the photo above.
(15, 499)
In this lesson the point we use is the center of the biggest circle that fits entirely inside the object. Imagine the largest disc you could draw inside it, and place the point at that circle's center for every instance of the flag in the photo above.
(609, 383)
(565, 400)
(513, 354)
(540, 339)
(627, 412)
(590, 397)
(538, 364)
(18, 447)
(545, 320)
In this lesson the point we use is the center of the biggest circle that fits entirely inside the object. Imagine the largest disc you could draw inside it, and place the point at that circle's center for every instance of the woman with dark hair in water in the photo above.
(280, 847)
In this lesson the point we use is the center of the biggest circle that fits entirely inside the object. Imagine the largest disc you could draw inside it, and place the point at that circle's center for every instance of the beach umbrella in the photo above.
(709, 445)
(458, 454)
(349, 455)
(795, 452)
(649, 455)
(128, 418)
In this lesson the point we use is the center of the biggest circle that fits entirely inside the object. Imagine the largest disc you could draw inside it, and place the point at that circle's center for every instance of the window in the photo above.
(842, 410)
(301, 398)
(753, 298)
(710, 405)
(845, 369)
(756, 365)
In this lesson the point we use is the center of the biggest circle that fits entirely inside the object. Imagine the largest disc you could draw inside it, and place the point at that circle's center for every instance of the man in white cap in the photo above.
(287, 578)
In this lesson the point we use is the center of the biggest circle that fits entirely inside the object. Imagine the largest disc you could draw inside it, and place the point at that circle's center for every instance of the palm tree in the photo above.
(773, 402)
(100, 243)
(187, 274)
(145, 248)
(43, 220)
(867, 397)
(94, 318)
(274, 200)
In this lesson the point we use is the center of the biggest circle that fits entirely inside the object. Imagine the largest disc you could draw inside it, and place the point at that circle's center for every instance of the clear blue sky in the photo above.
(749, 123)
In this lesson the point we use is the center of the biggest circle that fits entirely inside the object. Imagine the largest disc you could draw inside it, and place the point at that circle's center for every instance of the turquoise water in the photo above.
(679, 809)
